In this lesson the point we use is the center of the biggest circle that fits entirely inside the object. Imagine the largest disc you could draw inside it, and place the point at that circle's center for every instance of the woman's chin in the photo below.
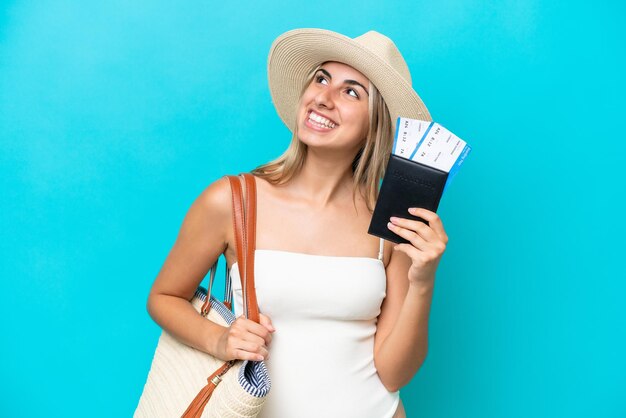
(313, 138)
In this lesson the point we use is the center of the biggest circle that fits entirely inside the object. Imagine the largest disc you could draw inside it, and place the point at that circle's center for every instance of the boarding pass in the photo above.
(431, 144)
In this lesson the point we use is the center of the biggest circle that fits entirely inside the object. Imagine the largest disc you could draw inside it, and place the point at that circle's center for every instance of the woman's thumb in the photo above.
(265, 321)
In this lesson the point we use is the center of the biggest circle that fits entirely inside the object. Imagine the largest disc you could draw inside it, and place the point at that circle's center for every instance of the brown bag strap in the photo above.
(244, 226)
(244, 223)
(251, 307)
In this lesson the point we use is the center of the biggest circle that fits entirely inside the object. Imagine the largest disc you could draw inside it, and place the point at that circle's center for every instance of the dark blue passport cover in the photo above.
(406, 184)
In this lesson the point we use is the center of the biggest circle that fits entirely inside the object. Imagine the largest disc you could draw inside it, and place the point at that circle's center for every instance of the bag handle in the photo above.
(250, 304)
(244, 225)
(244, 222)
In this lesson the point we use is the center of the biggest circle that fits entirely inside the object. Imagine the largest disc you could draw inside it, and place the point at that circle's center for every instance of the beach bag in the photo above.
(189, 383)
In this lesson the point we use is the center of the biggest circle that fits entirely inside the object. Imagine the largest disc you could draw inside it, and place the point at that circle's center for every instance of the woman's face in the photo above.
(333, 109)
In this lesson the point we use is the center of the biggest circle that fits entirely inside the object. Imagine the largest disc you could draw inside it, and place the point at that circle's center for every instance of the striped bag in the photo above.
(177, 384)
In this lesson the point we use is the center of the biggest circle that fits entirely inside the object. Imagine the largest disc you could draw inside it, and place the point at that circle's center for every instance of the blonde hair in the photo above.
(369, 164)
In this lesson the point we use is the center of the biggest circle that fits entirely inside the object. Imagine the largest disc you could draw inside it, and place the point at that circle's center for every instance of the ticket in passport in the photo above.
(424, 158)
(431, 144)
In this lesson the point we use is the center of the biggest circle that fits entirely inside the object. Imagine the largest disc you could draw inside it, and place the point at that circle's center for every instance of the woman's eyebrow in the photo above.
(351, 82)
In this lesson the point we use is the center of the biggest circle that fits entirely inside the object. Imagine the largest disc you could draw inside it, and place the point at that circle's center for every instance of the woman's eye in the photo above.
(321, 79)
(353, 93)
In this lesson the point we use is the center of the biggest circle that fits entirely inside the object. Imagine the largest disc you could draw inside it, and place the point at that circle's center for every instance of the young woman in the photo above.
(342, 330)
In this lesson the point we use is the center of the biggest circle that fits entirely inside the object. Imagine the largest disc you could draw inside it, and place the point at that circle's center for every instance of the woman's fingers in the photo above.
(239, 354)
(249, 340)
(251, 328)
(255, 339)
(266, 322)
(246, 350)
(434, 221)
(400, 228)
(420, 228)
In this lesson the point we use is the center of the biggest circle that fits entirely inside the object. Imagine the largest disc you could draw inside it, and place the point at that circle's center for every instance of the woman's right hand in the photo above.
(246, 340)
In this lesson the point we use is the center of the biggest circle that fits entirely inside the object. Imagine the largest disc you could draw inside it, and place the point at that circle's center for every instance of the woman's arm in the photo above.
(201, 240)
(401, 340)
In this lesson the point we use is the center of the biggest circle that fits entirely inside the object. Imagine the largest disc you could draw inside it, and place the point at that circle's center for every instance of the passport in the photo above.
(425, 158)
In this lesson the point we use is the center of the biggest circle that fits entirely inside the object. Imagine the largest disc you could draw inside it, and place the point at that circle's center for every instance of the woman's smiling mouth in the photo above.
(320, 122)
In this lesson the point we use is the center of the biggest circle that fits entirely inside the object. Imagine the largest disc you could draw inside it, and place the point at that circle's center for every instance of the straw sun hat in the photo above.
(295, 53)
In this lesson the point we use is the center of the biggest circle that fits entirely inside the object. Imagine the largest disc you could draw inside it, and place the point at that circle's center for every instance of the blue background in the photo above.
(115, 115)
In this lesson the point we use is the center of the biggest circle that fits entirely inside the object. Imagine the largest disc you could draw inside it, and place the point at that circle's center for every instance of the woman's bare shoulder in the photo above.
(216, 197)
(216, 203)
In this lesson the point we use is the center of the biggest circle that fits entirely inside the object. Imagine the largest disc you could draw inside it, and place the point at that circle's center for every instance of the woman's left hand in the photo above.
(426, 243)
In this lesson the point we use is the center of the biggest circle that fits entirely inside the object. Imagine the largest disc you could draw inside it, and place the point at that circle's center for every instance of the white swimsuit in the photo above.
(324, 309)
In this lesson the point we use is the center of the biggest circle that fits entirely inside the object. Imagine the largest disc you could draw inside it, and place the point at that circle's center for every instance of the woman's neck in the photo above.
(325, 179)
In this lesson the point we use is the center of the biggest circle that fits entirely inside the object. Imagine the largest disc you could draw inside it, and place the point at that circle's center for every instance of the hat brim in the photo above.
(295, 53)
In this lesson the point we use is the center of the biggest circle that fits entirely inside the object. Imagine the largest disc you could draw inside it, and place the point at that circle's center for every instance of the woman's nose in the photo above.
(324, 98)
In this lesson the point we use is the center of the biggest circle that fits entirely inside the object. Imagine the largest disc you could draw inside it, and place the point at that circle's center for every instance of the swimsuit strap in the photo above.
(380, 250)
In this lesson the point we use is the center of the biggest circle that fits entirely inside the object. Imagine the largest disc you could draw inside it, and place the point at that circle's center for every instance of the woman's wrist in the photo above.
(213, 335)
(421, 288)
